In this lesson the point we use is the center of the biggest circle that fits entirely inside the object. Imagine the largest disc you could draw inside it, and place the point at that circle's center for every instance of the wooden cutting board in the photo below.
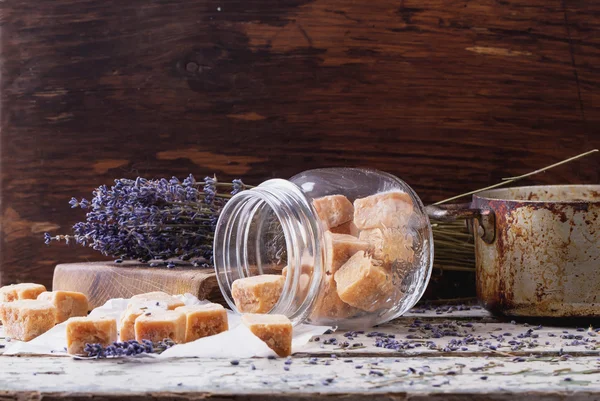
(101, 281)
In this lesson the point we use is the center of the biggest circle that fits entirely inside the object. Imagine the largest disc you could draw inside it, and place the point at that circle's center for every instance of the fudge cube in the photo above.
(157, 325)
(328, 305)
(389, 244)
(149, 296)
(339, 248)
(333, 210)
(383, 210)
(257, 294)
(348, 228)
(157, 298)
(304, 280)
(203, 320)
(89, 330)
(363, 284)
(26, 319)
(15, 292)
(305, 270)
(67, 303)
(129, 315)
(274, 330)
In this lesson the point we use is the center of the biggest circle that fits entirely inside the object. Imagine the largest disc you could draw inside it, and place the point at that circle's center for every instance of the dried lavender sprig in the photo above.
(152, 219)
(127, 348)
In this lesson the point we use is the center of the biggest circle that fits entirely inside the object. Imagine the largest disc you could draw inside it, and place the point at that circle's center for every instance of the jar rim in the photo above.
(303, 238)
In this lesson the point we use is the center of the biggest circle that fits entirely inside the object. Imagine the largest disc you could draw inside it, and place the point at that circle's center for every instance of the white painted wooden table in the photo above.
(540, 363)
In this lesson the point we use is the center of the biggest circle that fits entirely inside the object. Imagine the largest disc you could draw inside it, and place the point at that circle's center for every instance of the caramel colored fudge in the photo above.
(303, 282)
(156, 298)
(157, 325)
(203, 320)
(274, 330)
(129, 315)
(383, 210)
(339, 248)
(89, 330)
(16, 292)
(389, 245)
(328, 305)
(257, 294)
(67, 303)
(348, 228)
(26, 319)
(362, 284)
(333, 210)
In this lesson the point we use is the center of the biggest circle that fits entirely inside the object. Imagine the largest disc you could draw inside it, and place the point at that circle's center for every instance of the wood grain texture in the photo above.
(215, 379)
(542, 372)
(102, 281)
(449, 95)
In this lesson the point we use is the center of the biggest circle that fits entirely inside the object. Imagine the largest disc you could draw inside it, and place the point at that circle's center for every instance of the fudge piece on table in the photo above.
(67, 303)
(157, 325)
(16, 292)
(274, 330)
(26, 319)
(157, 298)
(89, 330)
(257, 294)
(203, 320)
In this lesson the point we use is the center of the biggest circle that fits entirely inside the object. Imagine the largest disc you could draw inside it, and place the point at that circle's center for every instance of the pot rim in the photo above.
(497, 194)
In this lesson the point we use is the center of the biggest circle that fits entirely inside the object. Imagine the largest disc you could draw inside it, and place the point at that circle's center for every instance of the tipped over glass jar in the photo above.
(346, 247)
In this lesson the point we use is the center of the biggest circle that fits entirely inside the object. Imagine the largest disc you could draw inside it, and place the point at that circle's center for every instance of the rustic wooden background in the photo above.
(449, 95)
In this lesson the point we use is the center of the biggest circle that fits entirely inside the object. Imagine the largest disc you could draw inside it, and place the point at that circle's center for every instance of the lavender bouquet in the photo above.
(153, 220)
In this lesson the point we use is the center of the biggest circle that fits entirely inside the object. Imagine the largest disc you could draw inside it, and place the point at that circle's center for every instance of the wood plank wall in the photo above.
(450, 95)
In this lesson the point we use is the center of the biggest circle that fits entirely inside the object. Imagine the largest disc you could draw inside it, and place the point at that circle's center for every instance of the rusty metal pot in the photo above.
(537, 249)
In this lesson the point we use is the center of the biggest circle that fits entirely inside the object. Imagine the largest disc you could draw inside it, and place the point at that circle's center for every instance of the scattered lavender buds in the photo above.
(150, 220)
(127, 348)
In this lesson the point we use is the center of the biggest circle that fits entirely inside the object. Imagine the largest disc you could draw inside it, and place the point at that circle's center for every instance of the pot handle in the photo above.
(463, 211)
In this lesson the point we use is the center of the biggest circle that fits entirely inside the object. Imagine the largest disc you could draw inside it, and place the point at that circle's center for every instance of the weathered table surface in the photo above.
(444, 354)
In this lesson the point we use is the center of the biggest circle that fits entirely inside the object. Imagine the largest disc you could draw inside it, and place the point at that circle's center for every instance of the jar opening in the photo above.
(271, 229)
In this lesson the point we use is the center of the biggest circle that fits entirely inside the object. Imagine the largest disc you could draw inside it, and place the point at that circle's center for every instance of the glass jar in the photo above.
(354, 246)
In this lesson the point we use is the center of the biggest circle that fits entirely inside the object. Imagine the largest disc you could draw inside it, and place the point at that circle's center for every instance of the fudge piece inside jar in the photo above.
(339, 248)
(363, 283)
(26, 319)
(383, 210)
(384, 222)
(348, 228)
(389, 245)
(333, 210)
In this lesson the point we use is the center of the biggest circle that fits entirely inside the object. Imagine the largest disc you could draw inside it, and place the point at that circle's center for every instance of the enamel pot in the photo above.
(537, 249)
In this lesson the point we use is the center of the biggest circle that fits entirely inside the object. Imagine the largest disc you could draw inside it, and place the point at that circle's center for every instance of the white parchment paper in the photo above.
(237, 342)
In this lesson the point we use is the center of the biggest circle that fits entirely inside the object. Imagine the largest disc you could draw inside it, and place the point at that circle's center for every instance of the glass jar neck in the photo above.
(263, 229)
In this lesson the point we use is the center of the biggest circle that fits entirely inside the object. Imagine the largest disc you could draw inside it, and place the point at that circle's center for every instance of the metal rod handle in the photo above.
(485, 218)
